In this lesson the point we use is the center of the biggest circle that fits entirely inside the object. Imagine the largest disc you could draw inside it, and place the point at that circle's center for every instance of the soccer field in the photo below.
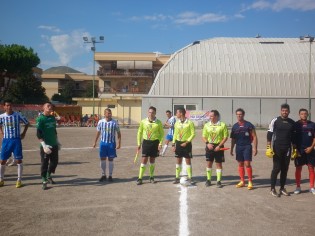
(79, 205)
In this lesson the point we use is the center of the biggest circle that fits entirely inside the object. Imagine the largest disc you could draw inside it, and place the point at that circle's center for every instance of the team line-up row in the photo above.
(286, 140)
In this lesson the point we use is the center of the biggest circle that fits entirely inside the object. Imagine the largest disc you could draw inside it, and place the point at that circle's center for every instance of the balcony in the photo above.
(125, 73)
(132, 90)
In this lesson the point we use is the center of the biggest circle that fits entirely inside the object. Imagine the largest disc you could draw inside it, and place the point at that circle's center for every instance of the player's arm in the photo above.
(139, 135)
(270, 131)
(192, 131)
(26, 125)
(24, 130)
(255, 141)
(1, 131)
(269, 152)
(233, 141)
(311, 148)
(161, 131)
(96, 138)
(174, 138)
(221, 144)
(167, 125)
(40, 136)
(225, 138)
(118, 139)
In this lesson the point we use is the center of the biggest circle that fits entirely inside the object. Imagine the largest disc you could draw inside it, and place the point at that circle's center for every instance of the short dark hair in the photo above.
(152, 108)
(168, 111)
(108, 109)
(240, 110)
(216, 113)
(181, 110)
(303, 109)
(285, 106)
(6, 101)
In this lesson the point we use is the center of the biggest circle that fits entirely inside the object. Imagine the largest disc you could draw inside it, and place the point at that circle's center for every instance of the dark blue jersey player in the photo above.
(243, 134)
(305, 143)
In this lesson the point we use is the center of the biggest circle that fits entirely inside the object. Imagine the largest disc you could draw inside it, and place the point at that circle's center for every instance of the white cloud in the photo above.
(239, 16)
(193, 18)
(68, 46)
(303, 5)
(184, 18)
(158, 17)
(279, 5)
(50, 28)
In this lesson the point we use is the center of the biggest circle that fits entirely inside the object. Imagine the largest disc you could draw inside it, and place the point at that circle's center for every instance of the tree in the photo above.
(58, 97)
(16, 62)
(67, 92)
(89, 90)
(27, 90)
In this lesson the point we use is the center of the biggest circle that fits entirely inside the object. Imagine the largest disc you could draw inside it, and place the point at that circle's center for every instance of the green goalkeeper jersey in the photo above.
(215, 133)
(184, 131)
(46, 126)
(150, 131)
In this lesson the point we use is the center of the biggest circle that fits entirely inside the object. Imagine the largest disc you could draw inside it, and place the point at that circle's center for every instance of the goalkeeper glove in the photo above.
(269, 152)
(47, 148)
(294, 154)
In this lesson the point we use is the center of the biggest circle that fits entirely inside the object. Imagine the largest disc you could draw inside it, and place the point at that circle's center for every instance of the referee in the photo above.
(184, 132)
(151, 134)
(243, 134)
(214, 134)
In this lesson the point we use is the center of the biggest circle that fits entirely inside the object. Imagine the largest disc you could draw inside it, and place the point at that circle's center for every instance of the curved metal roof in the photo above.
(238, 67)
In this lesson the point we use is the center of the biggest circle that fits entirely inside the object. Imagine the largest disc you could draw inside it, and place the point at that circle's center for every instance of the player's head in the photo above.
(240, 113)
(47, 108)
(151, 113)
(7, 105)
(108, 114)
(214, 116)
(285, 110)
(180, 113)
(303, 113)
(168, 114)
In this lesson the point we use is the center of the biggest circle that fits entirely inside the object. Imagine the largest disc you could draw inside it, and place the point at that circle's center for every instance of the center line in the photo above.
(183, 210)
(183, 207)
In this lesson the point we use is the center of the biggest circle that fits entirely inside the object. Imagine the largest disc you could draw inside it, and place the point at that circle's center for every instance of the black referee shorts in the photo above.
(183, 151)
(150, 148)
(211, 155)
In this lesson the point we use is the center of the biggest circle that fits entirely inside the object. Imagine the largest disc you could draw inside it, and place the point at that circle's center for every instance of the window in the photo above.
(189, 107)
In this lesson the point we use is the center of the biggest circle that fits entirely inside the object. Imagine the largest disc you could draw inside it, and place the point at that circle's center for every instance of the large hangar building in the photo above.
(256, 74)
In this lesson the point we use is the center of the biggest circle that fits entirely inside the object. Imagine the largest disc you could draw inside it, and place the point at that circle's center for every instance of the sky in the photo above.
(54, 29)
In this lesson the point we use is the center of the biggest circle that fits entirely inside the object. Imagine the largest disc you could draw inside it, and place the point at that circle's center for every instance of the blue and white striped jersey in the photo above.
(108, 130)
(171, 122)
(11, 124)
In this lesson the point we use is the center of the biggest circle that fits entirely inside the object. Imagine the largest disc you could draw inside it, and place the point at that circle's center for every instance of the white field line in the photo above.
(183, 206)
(183, 210)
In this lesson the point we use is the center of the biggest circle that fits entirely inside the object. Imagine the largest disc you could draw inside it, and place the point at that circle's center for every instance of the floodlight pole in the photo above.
(93, 48)
(311, 40)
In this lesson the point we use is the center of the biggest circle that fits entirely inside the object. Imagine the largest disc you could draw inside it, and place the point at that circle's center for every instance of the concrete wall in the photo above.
(128, 112)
